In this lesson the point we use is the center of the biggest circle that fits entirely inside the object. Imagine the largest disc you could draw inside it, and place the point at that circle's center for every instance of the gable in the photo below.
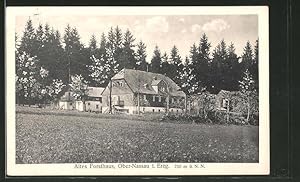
(142, 82)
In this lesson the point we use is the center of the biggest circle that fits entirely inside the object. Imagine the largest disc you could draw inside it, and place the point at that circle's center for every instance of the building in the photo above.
(93, 102)
(229, 101)
(135, 90)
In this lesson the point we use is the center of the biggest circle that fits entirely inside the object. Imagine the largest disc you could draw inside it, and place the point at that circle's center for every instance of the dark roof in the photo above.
(137, 80)
(95, 91)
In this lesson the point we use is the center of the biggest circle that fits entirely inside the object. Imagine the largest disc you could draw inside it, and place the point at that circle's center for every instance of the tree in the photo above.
(185, 77)
(218, 69)
(92, 46)
(75, 53)
(118, 43)
(112, 57)
(80, 87)
(156, 61)
(233, 73)
(165, 66)
(193, 82)
(29, 79)
(200, 65)
(247, 57)
(247, 89)
(176, 65)
(254, 66)
(28, 40)
(141, 57)
(127, 57)
(55, 88)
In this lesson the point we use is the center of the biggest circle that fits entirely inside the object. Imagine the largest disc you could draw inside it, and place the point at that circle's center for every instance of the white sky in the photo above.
(162, 30)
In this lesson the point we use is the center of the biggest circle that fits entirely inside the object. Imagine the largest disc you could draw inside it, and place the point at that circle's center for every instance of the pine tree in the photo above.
(175, 65)
(156, 61)
(218, 71)
(141, 56)
(193, 82)
(247, 57)
(118, 46)
(234, 70)
(75, 53)
(92, 46)
(127, 57)
(200, 65)
(28, 40)
(254, 66)
(165, 66)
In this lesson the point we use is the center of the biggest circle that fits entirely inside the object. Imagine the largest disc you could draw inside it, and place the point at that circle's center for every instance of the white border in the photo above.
(261, 168)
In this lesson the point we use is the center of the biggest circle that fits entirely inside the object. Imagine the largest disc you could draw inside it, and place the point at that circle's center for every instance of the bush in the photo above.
(213, 117)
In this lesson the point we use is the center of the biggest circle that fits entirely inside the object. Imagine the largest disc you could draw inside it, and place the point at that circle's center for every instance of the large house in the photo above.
(133, 90)
(93, 102)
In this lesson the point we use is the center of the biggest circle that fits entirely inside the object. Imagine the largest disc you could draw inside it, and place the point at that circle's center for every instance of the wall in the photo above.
(66, 105)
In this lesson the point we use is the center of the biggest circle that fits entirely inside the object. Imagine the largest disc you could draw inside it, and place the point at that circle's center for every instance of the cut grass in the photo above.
(74, 139)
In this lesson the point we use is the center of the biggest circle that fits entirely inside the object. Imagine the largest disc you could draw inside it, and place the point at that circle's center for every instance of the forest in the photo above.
(46, 60)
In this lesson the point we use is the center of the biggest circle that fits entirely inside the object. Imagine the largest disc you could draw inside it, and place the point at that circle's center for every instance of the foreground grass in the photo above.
(74, 139)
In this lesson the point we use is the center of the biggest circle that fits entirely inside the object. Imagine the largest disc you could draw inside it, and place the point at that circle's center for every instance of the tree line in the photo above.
(46, 61)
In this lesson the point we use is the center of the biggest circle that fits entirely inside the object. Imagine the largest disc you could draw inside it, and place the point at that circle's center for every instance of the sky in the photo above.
(165, 31)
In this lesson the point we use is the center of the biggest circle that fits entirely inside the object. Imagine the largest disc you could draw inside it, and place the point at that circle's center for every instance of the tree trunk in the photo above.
(248, 110)
(110, 100)
(185, 104)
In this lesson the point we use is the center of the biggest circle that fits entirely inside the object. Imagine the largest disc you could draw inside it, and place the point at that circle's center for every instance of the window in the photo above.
(70, 104)
(225, 103)
(178, 100)
(145, 97)
(152, 110)
(121, 84)
(172, 101)
(143, 109)
(163, 89)
(153, 98)
(158, 110)
(100, 99)
(89, 104)
(159, 98)
(97, 106)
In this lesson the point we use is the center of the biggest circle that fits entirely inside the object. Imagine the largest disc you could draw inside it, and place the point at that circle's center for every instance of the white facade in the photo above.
(67, 105)
(94, 106)
(134, 109)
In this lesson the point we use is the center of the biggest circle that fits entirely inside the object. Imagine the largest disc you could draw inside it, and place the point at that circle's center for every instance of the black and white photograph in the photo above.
(137, 90)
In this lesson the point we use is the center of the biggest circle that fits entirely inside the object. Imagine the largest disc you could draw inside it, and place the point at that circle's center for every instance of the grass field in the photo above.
(76, 138)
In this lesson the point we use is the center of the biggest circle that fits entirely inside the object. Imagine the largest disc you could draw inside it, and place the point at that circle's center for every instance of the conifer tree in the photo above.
(141, 56)
(28, 40)
(156, 61)
(175, 65)
(127, 57)
(165, 66)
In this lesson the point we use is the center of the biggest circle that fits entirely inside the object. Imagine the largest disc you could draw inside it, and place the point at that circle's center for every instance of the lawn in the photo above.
(97, 138)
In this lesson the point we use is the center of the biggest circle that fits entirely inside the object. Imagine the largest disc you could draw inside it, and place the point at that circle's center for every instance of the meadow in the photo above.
(73, 137)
